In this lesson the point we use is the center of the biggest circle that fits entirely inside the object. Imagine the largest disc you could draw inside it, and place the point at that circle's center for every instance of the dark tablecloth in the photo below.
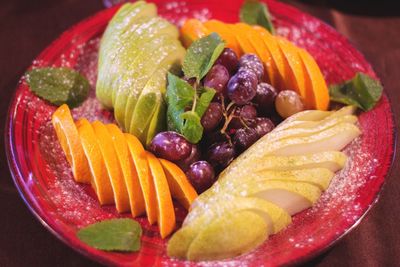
(27, 27)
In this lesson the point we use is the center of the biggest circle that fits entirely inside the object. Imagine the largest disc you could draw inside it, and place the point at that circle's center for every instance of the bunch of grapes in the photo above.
(242, 111)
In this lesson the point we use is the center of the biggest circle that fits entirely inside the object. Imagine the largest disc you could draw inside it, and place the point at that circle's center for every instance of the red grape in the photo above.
(247, 113)
(170, 146)
(217, 78)
(252, 62)
(201, 175)
(263, 126)
(212, 117)
(242, 86)
(193, 157)
(244, 138)
(221, 154)
(265, 98)
(229, 60)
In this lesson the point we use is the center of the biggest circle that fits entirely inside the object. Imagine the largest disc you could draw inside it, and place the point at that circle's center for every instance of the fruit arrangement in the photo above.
(121, 171)
(136, 52)
(236, 126)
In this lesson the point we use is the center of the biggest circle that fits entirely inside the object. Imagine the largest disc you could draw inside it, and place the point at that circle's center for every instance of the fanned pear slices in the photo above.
(122, 172)
(289, 168)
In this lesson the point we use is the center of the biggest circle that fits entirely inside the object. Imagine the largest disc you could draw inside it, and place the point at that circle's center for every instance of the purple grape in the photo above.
(265, 98)
(247, 113)
(170, 146)
(212, 117)
(263, 126)
(201, 175)
(244, 138)
(229, 60)
(242, 86)
(252, 62)
(221, 154)
(217, 78)
(193, 157)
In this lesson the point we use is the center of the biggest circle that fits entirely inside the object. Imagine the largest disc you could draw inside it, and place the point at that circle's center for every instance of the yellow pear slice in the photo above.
(331, 160)
(113, 167)
(305, 121)
(228, 236)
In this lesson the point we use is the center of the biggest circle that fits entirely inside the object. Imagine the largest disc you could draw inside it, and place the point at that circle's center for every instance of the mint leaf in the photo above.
(256, 13)
(180, 95)
(204, 100)
(58, 85)
(201, 56)
(112, 235)
(362, 91)
(192, 130)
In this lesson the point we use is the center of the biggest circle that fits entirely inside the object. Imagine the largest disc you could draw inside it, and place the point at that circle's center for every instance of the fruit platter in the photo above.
(200, 133)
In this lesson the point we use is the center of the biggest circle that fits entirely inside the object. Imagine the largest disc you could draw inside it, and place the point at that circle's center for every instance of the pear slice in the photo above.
(228, 236)
(113, 41)
(331, 160)
(290, 196)
(143, 33)
(275, 218)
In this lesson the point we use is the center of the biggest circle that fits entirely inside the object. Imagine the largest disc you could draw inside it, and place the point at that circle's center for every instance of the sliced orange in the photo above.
(165, 207)
(240, 31)
(265, 56)
(320, 91)
(179, 185)
(100, 180)
(128, 170)
(145, 179)
(226, 34)
(192, 30)
(294, 67)
(68, 137)
(113, 167)
(277, 56)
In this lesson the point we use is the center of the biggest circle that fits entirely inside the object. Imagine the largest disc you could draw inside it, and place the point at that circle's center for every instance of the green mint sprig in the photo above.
(256, 13)
(187, 103)
(58, 85)
(362, 91)
(112, 235)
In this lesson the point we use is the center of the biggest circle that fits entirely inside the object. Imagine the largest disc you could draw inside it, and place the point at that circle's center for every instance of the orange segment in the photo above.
(180, 187)
(142, 167)
(112, 166)
(68, 137)
(320, 91)
(165, 208)
(100, 181)
(192, 30)
(226, 34)
(295, 68)
(277, 56)
(128, 170)
(240, 31)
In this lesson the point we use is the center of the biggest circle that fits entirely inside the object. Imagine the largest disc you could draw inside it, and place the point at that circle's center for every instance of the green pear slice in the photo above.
(151, 97)
(158, 121)
(274, 216)
(112, 42)
(228, 236)
(166, 57)
(306, 122)
(331, 160)
(136, 44)
(133, 81)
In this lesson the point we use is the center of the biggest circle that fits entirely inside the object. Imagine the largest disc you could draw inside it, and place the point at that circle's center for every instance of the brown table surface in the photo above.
(27, 27)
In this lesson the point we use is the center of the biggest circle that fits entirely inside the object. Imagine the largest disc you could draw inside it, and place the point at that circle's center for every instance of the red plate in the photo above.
(44, 179)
